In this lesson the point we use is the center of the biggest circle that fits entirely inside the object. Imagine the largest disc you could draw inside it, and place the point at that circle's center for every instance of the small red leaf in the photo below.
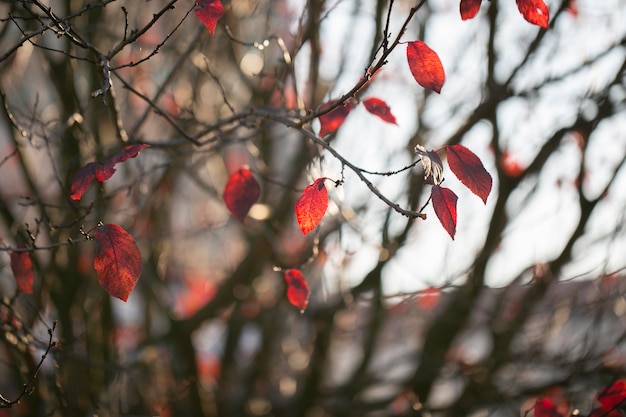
(332, 121)
(379, 108)
(444, 204)
(311, 205)
(469, 170)
(469, 8)
(544, 407)
(240, 193)
(535, 12)
(82, 180)
(428, 299)
(297, 289)
(22, 267)
(433, 167)
(209, 12)
(128, 152)
(117, 261)
(425, 66)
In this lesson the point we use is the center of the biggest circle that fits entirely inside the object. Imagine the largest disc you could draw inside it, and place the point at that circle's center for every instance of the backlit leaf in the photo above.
(117, 261)
(82, 180)
(311, 205)
(444, 204)
(332, 121)
(613, 396)
(209, 12)
(433, 167)
(544, 407)
(22, 267)
(297, 289)
(425, 66)
(469, 8)
(469, 170)
(379, 108)
(535, 12)
(240, 193)
(128, 152)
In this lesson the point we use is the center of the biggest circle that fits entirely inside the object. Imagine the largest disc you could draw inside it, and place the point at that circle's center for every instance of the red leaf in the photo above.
(469, 8)
(379, 108)
(22, 267)
(470, 170)
(311, 205)
(82, 180)
(425, 66)
(511, 166)
(534, 11)
(544, 407)
(209, 12)
(128, 152)
(240, 193)
(428, 299)
(104, 172)
(297, 289)
(444, 204)
(117, 261)
(433, 167)
(613, 396)
(332, 121)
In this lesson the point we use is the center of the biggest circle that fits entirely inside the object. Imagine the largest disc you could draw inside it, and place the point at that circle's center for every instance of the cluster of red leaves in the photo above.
(611, 399)
(534, 11)
(331, 122)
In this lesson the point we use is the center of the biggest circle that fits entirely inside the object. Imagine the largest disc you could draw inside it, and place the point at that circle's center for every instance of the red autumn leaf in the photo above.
(425, 66)
(379, 108)
(433, 167)
(469, 170)
(128, 152)
(444, 204)
(613, 396)
(311, 205)
(544, 407)
(22, 267)
(104, 172)
(117, 261)
(209, 12)
(297, 289)
(511, 166)
(534, 11)
(240, 193)
(332, 121)
(469, 8)
(82, 180)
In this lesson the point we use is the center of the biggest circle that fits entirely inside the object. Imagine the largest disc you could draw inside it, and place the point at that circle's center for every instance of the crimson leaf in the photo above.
(444, 204)
(332, 121)
(613, 396)
(82, 180)
(22, 267)
(311, 205)
(469, 170)
(117, 261)
(535, 12)
(544, 407)
(379, 108)
(469, 8)
(240, 193)
(209, 12)
(297, 289)
(425, 66)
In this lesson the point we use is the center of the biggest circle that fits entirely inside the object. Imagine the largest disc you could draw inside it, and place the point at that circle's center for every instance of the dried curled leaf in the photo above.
(433, 167)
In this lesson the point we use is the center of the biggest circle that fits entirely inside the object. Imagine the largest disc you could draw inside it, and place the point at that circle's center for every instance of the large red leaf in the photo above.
(469, 8)
(332, 121)
(544, 407)
(613, 396)
(535, 12)
(433, 167)
(469, 170)
(209, 12)
(22, 267)
(311, 205)
(379, 108)
(444, 204)
(117, 261)
(82, 180)
(240, 193)
(425, 66)
(297, 289)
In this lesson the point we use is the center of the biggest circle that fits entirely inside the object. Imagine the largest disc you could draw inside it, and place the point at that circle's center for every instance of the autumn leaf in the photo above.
(469, 8)
(22, 267)
(433, 167)
(544, 407)
(82, 180)
(613, 396)
(311, 205)
(118, 260)
(240, 193)
(332, 121)
(128, 152)
(297, 289)
(425, 66)
(379, 108)
(535, 12)
(209, 12)
(469, 170)
(444, 204)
